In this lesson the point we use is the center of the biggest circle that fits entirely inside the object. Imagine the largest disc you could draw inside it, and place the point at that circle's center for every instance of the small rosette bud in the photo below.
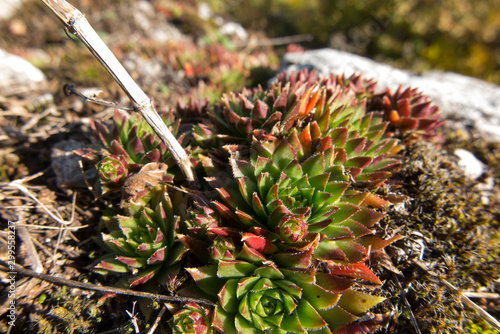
(192, 318)
(292, 228)
(142, 242)
(222, 249)
(113, 170)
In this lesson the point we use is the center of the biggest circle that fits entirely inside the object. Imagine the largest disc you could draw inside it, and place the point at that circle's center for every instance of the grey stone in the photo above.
(18, 75)
(471, 101)
(66, 164)
(153, 24)
(470, 165)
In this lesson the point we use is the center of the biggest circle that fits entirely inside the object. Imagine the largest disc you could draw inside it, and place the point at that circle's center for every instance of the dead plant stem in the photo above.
(76, 23)
(5, 267)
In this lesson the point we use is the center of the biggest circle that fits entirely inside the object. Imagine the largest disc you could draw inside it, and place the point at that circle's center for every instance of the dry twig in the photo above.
(103, 289)
(76, 23)
(157, 320)
(32, 254)
(56, 216)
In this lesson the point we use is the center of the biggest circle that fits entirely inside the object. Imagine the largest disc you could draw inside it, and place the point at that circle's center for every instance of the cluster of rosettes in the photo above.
(211, 68)
(283, 226)
(126, 146)
(143, 243)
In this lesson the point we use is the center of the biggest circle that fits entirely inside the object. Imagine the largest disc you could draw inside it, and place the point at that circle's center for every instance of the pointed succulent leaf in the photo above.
(329, 250)
(259, 243)
(309, 317)
(367, 217)
(333, 282)
(296, 259)
(145, 275)
(251, 255)
(352, 250)
(245, 285)
(225, 322)
(244, 326)
(264, 165)
(112, 265)
(314, 165)
(206, 278)
(234, 268)
(227, 296)
(319, 297)
(306, 275)
(158, 256)
(337, 317)
(269, 270)
(357, 302)
(356, 270)
(376, 242)
(283, 154)
(133, 262)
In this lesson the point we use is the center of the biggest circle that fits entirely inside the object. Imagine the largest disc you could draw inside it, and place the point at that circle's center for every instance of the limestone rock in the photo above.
(470, 165)
(18, 75)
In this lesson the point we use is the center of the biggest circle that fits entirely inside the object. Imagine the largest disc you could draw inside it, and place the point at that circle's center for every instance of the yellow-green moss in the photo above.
(445, 214)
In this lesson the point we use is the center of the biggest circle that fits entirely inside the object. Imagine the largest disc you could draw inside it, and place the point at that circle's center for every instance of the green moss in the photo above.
(447, 221)
(67, 313)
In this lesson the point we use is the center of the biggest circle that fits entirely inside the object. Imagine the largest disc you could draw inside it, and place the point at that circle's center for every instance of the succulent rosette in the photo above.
(192, 318)
(295, 193)
(326, 110)
(292, 228)
(131, 137)
(113, 170)
(255, 295)
(409, 112)
(142, 243)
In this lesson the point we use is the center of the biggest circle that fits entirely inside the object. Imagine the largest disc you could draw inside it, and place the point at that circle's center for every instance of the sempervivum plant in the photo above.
(113, 170)
(409, 112)
(142, 243)
(127, 145)
(131, 137)
(282, 238)
(294, 195)
(192, 318)
(255, 295)
(336, 115)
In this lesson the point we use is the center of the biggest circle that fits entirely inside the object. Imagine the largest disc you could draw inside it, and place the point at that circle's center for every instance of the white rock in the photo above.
(234, 29)
(204, 11)
(469, 164)
(18, 75)
(153, 24)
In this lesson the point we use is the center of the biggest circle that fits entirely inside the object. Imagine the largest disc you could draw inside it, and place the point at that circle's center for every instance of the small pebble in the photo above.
(469, 164)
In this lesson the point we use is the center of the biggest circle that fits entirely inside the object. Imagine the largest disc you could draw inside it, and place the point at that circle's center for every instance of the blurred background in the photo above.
(238, 43)
(454, 35)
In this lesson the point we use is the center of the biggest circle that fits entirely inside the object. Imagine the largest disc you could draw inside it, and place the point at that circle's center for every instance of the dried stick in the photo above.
(16, 269)
(17, 184)
(32, 254)
(160, 315)
(77, 24)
